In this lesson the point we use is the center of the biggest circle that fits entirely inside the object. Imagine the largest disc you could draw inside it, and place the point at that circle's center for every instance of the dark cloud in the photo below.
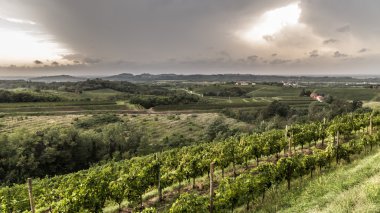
(79, 58)
(338, 54)
(252, 58)
(313, 54)
(344, 29)
(91, 60)
(268, 38)
(73, 57)
(178, 35)
(224, 55)
(330, 41)
(38, 62)
(330, 18)
(279, 61)
(146, 30)
(363, 50)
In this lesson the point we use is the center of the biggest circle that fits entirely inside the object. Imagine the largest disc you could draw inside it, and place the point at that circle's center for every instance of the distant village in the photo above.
(244, 83)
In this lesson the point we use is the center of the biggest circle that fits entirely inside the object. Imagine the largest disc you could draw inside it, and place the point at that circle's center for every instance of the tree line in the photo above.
(178, 98)
(57, 150)
(17, 97)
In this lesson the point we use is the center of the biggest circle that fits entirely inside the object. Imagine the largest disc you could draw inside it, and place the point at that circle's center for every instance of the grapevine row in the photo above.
(89, 190)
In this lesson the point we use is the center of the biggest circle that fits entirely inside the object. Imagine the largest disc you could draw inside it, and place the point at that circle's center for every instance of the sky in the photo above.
(281, 37)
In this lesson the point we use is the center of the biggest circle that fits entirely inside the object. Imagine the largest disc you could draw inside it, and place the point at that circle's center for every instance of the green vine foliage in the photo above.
(128, 180)
(190, 203)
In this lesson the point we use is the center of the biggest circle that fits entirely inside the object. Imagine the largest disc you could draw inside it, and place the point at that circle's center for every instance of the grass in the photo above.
(274, 91)
(155, 126)
(94, 95)
(347, 93)
(372, 104)
(13, 123)
(194, 126)
(350, 93)
(68, 107)
(350, 188)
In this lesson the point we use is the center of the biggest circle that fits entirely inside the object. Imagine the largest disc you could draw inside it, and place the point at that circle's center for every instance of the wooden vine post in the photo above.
(30, 192)
(159, 188)
(323, 129)
(289, 141)
(337, 138)
(337, 147)
(212, 187)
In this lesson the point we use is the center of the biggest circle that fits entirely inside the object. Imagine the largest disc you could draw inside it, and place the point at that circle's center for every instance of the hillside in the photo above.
(238, 77)
(350, 188)
(57, 78)
(248, 168)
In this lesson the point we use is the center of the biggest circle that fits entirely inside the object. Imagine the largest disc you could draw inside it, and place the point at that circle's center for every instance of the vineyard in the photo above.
(265, 160)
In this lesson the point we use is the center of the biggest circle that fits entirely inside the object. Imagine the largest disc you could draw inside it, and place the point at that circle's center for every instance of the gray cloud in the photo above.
(338, 54)
(252, 58)
(344, 29)
(313, 54)
(330, 18)
(145, 30)
(79, 58)
(200, 34)
(363, 50)
(330, 41)
(92, 60)
(268, 38)
(38, 62)
(279, 61)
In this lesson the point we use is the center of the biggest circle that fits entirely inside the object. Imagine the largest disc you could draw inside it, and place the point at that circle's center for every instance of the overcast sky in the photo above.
(102, 37)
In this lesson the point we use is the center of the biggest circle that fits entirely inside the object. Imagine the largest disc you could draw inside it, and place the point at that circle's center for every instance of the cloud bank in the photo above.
(201, 35)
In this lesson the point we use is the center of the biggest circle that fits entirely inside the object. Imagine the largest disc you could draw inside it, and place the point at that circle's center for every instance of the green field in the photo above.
(155, 126)
(260, 95)
(264, 94)
(94, 95)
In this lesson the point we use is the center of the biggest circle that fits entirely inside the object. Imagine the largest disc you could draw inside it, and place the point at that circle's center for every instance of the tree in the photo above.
(276, 108)
(356, 104)
(216, 128)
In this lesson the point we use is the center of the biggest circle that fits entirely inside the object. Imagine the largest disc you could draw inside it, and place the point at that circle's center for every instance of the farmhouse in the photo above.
(317, 97)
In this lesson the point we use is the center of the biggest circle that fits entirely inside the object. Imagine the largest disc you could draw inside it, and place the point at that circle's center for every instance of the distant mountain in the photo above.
(238, 77)
(120, 77)
(57, 78)
(146, 77)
